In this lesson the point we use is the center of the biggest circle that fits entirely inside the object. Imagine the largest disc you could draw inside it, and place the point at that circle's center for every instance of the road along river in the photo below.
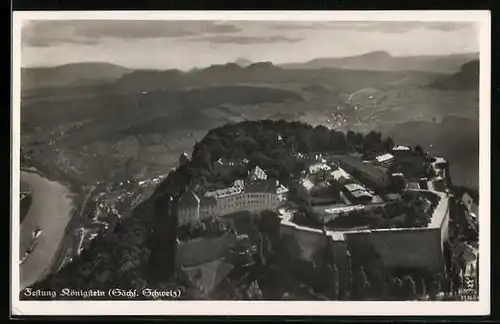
(51, 210)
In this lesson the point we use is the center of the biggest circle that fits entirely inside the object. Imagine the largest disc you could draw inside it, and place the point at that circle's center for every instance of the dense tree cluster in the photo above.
(271, 144)
(374, 284)
(365, 282)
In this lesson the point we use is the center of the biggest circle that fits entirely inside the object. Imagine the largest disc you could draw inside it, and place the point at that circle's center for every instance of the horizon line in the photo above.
(252, 62)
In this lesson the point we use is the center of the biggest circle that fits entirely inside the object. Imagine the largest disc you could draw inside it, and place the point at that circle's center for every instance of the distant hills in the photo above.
(466, 79)
(86, 73)
(357, 71)
(241, 61)
(383, 61)
(265, 73)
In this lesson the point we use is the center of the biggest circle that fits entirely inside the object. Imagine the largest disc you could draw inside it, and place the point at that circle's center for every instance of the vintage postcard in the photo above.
(251, 163)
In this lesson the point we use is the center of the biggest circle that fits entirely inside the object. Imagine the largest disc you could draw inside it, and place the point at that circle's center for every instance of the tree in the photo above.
(434, 286)
(361, 284)
(439, 282)
(388, 144)
(254, 292)
(269, 224)
(336, 282)
(353, 139)
(379, 285)
(247, 144)
(476, 277)
(299, 194)
(423, 288)
(397, 288)
(337, 140)
(457, 282)
(346, 286)
(372, 142)
(332, 281)
(408, 288)
(321, 138)
(419, 150)
(398, 183)
(304, 142)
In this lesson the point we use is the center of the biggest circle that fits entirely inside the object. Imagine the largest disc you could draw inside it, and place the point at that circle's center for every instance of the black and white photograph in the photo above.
(332, 159)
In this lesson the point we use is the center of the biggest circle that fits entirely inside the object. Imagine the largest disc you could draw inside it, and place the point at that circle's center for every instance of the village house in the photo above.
(340, 176)
(385, 159)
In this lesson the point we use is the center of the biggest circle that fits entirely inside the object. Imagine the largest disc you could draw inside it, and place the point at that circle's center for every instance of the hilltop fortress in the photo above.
(365, 187)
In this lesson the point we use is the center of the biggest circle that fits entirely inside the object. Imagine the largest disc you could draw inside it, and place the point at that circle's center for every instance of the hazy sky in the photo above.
(187, 44)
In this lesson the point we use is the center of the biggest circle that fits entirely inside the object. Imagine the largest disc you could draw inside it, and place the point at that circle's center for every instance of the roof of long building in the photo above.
(361, 193)
(354, 186)
(369, 169)
(401, 148)
(226, 192)
(384, 157)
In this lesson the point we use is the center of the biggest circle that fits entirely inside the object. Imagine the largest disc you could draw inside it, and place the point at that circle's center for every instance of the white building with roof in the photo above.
(256, 194)
(307, 184)
(340, 176)
(358, 192)
(331, 212)
(317, 167)
(385, 159)
(401, 148)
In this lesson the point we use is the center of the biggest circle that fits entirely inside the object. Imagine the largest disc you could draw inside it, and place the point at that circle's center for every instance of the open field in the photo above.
(139, 125)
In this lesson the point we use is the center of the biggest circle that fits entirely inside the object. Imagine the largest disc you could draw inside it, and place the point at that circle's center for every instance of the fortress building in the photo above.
(255, 194)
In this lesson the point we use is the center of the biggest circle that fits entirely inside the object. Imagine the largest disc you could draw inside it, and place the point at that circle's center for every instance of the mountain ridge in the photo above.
(383, 61)
(99, 73)
(466, 79)
(71, 74)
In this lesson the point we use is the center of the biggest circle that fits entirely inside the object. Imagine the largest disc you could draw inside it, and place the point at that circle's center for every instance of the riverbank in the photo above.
(24, 207)
(65, 197)
(52, 174)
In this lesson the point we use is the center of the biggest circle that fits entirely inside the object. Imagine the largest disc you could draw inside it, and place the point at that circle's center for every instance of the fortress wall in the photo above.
(398, 248)
(203, 249)
(412, 248)
(302, 243)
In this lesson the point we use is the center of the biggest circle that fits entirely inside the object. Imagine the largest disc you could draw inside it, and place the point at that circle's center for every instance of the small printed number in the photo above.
(468, 297)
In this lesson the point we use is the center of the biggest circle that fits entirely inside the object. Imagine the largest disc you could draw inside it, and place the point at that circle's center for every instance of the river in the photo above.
(51, 210)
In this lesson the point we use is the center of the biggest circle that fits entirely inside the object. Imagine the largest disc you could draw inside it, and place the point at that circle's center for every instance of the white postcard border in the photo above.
(315, 308)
